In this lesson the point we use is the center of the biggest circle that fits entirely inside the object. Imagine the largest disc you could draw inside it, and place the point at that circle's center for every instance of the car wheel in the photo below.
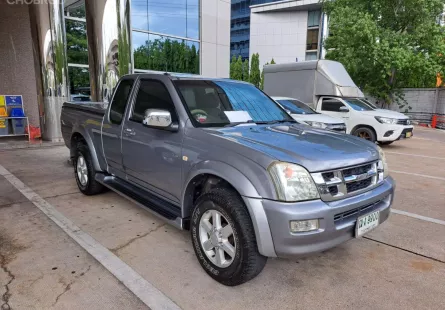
(84, 171)
(386, 142)
(223, 238)
(365, 133)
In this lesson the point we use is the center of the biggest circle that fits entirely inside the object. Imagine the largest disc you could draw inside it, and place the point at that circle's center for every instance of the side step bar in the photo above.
(159, 207)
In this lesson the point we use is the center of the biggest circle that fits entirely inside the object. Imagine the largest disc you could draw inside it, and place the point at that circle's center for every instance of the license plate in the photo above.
(366, 223)
(408, 134)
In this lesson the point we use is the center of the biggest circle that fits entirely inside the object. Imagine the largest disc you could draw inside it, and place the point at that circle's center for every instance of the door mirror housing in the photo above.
(160, 119)
(343, 109)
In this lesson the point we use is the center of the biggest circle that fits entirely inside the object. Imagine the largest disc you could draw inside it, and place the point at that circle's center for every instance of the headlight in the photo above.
(317, 124)
(292, 182)
(386, 120)
(382, 165)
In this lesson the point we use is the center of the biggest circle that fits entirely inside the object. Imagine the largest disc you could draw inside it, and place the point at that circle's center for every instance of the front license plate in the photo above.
(408, 134)
(366, 223)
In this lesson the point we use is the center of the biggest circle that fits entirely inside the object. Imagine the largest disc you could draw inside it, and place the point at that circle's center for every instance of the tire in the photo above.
(88, 186)
(386, 142)
(365, 133)
(246, 262)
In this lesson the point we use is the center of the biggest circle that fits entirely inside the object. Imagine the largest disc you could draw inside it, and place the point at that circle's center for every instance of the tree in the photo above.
(255, 74)
(272, 62)
(246, 70)
(232, 66)
(262, 77)
(238, 69)
(167, 55)
(386, 45)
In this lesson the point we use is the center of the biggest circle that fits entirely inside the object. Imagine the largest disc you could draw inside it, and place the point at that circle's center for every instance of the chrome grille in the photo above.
(338, 184)
(403, 122)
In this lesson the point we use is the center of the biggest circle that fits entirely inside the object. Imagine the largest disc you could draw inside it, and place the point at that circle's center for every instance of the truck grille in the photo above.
(403, 122)
(338, 184)
(355, 212)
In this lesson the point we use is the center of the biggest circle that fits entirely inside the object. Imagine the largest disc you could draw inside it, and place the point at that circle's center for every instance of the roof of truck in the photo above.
(186, 76)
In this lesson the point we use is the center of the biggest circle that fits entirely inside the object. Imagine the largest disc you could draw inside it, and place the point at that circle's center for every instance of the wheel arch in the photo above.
(79, 135)
(209, 171)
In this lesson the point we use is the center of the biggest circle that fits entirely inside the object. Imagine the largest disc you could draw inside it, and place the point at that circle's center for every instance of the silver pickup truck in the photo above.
(223, 160)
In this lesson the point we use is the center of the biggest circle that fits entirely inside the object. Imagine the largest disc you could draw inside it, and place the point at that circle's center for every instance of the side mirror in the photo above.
(343, 109)
(161, 119)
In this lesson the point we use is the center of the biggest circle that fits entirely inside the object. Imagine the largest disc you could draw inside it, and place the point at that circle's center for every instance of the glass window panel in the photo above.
(76, 42)
(79, 84)
(311, 56)
(152, 95)
(120, 101)
(313, 18)
(312, 39)
(173, 17)
(75, 9)
(139, 14)
(192, 15)
(153, 52)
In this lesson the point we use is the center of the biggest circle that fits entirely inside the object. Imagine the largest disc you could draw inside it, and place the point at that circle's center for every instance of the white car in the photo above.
(302, 113)
(362, 120)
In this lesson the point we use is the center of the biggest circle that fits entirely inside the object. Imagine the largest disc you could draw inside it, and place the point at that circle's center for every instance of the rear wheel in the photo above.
(84, 171)
(365, 133)
(224, 239)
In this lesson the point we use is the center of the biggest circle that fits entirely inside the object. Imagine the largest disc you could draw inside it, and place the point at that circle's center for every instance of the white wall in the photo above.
(278, 35)
(215, 38)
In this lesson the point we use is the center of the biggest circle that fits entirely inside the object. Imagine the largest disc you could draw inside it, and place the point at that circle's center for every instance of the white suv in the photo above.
(362, 120)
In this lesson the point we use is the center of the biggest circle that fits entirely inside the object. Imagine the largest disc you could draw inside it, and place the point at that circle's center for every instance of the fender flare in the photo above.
(86, 136)
(232, 175)
(248, 193)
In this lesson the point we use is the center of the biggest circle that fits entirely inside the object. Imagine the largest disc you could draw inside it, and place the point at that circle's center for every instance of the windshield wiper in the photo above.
(275, 122)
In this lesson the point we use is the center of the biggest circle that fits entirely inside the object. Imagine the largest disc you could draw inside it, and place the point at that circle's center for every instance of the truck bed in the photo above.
(98, 108)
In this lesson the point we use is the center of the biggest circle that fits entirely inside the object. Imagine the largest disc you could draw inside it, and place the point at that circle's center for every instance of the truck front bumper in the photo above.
(394, 132)
(337, 220)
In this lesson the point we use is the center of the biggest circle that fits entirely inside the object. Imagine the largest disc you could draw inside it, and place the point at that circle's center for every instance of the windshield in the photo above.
(372, 105)
(358, 105)
(220, 103)
(296, 107)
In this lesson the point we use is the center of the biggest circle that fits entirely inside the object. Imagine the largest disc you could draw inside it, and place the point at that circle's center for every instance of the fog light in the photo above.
(303, 226)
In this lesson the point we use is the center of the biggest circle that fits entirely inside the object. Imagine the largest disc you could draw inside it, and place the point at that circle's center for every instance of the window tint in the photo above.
(208, 101)
(119, 102)
(359, 105)
(152, 95)
(331, 105)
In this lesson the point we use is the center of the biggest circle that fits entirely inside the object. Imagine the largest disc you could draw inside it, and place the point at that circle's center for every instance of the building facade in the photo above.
(287, 31)
(240, 26)
(80, 48)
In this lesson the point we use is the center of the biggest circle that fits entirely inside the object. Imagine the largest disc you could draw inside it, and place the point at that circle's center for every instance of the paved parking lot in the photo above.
(399, 265)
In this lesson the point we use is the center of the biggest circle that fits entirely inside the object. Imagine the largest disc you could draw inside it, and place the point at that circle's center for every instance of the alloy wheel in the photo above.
(217, 240)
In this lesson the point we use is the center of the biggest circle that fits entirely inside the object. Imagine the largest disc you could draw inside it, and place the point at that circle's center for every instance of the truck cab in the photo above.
(364, 121)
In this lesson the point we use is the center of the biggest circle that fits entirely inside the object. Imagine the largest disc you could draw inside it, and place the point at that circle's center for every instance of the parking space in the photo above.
(399, 265)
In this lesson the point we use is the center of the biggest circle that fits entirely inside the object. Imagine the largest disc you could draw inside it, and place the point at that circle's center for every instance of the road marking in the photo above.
(140, 287)
(419, 217)
(418, 175)
(415, 155)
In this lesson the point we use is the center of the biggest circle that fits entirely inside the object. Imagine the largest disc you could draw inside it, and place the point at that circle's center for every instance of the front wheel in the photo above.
(365, 133)
(223, 238)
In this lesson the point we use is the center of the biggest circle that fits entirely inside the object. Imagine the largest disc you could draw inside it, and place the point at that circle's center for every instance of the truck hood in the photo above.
(317, 118)
(314, 149)
(385, 113)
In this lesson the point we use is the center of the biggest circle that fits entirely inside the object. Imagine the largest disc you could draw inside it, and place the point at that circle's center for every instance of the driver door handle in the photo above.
(129, 132)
